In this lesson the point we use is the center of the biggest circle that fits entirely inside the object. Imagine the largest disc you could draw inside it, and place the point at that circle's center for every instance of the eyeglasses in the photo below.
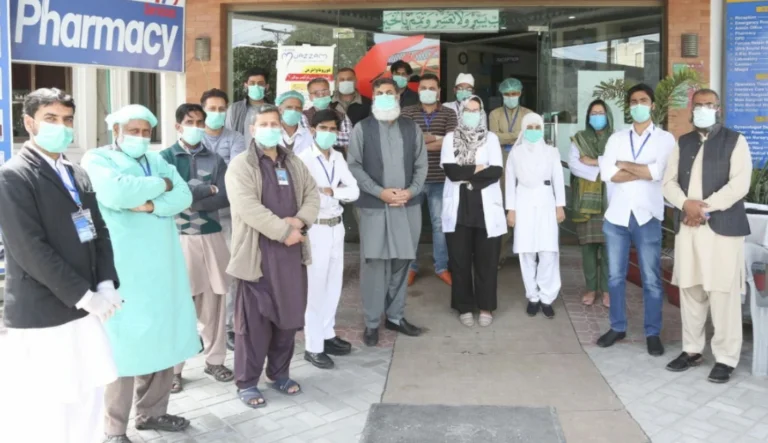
(321, 93)
(706, 106)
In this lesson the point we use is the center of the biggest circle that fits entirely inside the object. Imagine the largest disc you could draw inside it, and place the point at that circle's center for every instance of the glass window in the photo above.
(145, 90)
(25, 79)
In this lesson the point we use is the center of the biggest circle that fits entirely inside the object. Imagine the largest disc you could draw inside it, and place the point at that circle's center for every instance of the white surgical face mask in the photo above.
(704, 118)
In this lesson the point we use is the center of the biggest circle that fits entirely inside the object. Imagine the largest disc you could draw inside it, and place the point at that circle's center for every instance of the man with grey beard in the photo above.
(388, 158)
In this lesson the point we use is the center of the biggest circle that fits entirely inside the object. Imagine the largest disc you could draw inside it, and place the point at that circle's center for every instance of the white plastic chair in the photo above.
(758, 307)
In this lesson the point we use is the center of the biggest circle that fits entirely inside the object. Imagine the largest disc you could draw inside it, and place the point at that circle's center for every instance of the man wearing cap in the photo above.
(139, 194)
(319, 90)
(505, 122)
(465, 88)
(296, 137)
(348, 99)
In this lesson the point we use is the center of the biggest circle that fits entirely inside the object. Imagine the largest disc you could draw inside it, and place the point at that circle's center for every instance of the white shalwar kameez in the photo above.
(534, 189)
(325, 274)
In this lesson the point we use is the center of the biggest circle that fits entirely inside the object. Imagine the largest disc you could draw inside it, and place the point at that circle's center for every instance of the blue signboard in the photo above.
(136, 34)
(6, 100)
(746, 73)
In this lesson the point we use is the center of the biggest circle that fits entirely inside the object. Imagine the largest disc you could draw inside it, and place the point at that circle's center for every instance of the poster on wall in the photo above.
(297, 65)
(746, 73)
(6, 100)
(137, 34)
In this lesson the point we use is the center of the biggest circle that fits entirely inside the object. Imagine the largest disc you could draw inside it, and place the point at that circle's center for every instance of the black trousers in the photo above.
(470, 248)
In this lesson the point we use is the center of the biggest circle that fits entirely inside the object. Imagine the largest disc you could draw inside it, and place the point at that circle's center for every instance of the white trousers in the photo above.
(695, 304)
(542, 280)
(324, 280)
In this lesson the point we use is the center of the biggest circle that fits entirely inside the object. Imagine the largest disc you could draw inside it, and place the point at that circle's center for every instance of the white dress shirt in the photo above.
(641, 198)
(58, 165)
(333, 173)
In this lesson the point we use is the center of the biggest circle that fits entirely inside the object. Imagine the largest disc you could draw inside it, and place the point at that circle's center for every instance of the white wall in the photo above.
(716, 60)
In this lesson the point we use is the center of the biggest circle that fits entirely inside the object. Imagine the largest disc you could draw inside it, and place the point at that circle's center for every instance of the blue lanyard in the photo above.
(632, 143)
(511, 126)
(428, 119)
(148, 169)
(333, 172)
(72, 189)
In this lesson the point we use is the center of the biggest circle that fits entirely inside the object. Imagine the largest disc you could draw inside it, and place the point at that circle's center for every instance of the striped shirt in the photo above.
(440, 122)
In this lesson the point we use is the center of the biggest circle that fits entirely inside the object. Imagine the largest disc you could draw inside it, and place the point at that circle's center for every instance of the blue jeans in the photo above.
(434, 198)
(647, 241)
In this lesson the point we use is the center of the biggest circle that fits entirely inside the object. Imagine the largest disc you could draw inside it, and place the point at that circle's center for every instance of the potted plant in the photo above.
(671, 92)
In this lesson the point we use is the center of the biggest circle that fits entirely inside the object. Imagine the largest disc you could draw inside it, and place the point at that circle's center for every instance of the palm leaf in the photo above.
(672, 92)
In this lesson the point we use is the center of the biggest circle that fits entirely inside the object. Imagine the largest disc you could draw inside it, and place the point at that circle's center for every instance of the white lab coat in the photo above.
(536, 227)
(493, 203)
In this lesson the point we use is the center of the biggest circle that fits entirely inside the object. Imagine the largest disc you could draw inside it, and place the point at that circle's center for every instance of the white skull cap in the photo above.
(465, 78)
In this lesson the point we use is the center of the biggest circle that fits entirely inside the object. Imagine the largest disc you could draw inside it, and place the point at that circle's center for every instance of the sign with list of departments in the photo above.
(746, 74)
(6, 99)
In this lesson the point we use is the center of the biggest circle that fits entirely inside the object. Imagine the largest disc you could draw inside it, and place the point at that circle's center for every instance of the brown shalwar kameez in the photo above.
(270, 311)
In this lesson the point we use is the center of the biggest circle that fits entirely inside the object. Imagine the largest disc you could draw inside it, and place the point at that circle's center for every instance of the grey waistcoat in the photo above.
(373, 161)
(718, 148)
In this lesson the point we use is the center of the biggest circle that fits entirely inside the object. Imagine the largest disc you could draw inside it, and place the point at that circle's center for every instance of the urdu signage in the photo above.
(137, 34)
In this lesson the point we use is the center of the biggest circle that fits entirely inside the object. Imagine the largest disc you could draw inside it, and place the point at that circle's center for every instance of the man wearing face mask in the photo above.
(296, 137)
(336, 185)
(320, 93)
(506, 123)
(388, 158)
(241, 113)
(634, 162)
(464, 89)
(60, 286)
(707, 178)
(139, 194)
(401, 73)
(202, 237)
(435, 121)
(347, 99)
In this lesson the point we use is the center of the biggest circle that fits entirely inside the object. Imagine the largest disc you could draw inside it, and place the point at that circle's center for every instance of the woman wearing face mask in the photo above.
(590, 198)
(473, 213)
(535, 199)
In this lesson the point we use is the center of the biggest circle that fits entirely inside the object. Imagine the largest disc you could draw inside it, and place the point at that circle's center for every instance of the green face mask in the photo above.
(215, 120)
(470, 119)
(321, 103)
(400, 81)
(256, 92)
(533, 135)
(291, 117)
(463, 94)
(640, 113)
(53, 138)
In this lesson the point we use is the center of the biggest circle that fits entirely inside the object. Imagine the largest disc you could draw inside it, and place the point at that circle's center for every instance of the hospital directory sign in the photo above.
(136, 34)
(746, 73)
(6, 100)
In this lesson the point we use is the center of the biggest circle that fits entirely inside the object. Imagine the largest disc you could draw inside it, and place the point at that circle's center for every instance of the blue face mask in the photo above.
(256, 92)
(511, 102)
(321, 103)
(215, 120)
(533, 135)
(291, 117)
(400, 81)
(463, 94)
(268, 137)
(134, 146)
(470, 119)
(192, 135)
(325, 139)
(640, 113)
(54, 138)
(598, 121)
(385, 102)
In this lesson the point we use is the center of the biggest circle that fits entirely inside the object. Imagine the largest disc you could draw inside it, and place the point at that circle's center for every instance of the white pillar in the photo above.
(716, 60)
(119, 89)
(84, 93)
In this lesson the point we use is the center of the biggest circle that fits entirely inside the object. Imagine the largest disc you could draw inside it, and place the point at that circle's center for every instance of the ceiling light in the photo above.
(571, 17)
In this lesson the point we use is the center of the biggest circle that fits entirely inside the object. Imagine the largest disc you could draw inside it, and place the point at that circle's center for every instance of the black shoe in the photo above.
(371, 336)
(320, 360)
(547, 311)
(404, 328)
(655, 347)
(337, 346)
(533, 308)
(609, 338)
(721, 373)
(684, 362)
(231, 340)
(167, 423)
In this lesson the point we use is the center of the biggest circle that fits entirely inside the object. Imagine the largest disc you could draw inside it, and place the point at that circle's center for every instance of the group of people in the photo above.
(121, 269)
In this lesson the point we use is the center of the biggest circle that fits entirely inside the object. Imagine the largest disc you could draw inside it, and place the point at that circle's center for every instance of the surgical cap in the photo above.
(511, 84)
(289, 94)
(131, 112)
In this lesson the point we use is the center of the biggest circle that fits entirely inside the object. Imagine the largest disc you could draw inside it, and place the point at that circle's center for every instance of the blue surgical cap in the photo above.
(289, 94)
(511, 84)
(131, 112)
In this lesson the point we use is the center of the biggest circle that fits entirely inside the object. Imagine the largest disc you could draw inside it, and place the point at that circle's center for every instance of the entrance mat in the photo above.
(398, 423)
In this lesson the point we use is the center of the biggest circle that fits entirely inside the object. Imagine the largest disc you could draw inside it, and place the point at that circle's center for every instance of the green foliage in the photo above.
(247, 57)
(758, 187)
(671, 92)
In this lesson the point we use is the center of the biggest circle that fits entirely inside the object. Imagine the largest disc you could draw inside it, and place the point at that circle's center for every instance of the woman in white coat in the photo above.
(535, 192)
(473, 213)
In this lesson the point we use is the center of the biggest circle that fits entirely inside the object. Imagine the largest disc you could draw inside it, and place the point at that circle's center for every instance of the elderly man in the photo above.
(296, 137)
(505, 122)
(139, 193)
(202, 237)
(465, 88)
(60, 286)
(388, 158)
(347, 99)
(274, 201)
(320, 93)
(707, 178)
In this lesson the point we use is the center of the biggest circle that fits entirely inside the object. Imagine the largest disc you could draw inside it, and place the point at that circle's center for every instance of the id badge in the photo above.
(84, 225)
(282, 176)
